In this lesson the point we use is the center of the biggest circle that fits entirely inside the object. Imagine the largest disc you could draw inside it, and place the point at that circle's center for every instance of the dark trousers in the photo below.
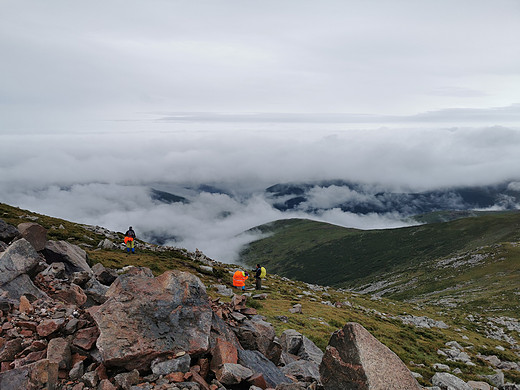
(258, 283)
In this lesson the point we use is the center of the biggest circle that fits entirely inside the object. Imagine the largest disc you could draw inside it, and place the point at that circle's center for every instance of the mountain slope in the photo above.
(402, 263)
(324, 309)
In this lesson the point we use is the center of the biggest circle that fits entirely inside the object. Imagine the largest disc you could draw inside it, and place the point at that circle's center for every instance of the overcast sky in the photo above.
(66, 63)
(101, 98)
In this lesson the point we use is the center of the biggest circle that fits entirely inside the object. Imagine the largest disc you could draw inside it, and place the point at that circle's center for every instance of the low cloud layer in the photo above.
(105, 179)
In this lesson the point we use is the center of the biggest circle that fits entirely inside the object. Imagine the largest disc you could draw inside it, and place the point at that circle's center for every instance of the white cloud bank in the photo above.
(103, 179)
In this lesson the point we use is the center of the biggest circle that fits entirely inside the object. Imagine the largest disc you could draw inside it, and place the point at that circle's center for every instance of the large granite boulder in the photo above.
(74, 258)
(34, 233)
(16, 261)
(146, 317)
(354, 359)
(7, 232)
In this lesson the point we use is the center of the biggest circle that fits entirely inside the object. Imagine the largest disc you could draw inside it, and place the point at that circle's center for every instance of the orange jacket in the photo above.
(128, 239)
(239, 279)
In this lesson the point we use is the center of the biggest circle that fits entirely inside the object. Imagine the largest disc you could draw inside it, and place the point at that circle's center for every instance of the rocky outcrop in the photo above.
(354, 359)
(167, 314)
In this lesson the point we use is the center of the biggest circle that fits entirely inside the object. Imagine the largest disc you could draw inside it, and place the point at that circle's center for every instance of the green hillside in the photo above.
(477, 253)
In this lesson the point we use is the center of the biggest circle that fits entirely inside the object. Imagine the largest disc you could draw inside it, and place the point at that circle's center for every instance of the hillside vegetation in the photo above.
(327, 309)
(438, 261)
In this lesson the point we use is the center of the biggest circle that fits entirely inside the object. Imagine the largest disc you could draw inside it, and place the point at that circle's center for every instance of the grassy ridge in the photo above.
(325, 254)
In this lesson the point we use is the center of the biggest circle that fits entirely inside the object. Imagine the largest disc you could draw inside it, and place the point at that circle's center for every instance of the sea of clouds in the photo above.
(104, 178)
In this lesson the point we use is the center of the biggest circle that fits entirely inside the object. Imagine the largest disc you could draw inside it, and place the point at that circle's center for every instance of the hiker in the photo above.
(129, 240)
(260, 273)
(239, 279)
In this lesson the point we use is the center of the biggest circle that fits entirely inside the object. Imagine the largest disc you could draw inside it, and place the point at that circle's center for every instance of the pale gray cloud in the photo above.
(65, 66)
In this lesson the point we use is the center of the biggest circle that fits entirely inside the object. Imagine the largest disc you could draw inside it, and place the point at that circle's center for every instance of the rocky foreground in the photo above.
(67, 325)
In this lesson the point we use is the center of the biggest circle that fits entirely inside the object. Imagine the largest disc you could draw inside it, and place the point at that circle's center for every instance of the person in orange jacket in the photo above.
(239, 279)
(129, 240)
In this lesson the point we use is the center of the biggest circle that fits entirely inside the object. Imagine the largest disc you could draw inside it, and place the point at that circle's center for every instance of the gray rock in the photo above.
(19, 258)
(441, 367)
(165, 367)
(303, 370)
(7, 232)
(255, 334)
(297, 344)
(309, 351)
(55, 270)
(77, 371)
(73, 256)
(90, 378)
(479, 385)
(449, 382)
(106, 244)
(291, 340)
(104, 275)
(127, 379)
(96, 291)
(257, 362)
(206, 269)
(296, 309)
(232, 374)
(496, 379)
(224, 290)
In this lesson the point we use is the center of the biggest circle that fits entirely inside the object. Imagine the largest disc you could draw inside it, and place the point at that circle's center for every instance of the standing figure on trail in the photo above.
(260, 273)
(239, 279)
(129, 240)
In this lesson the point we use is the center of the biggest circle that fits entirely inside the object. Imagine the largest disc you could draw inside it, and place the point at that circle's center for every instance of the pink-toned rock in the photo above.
(197, 378)
(58, 352)
(175, 377)
(258, 380)
(106, 385)
(34, 233)
(356, 359)
(73, 295)
(25, 305)
(223, 352)
(146, 317)
(86, 338)
(47, 327)
(10, 349)
(39, 375)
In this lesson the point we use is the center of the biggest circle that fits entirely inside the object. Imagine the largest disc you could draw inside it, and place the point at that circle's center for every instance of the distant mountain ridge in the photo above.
(364, 199)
